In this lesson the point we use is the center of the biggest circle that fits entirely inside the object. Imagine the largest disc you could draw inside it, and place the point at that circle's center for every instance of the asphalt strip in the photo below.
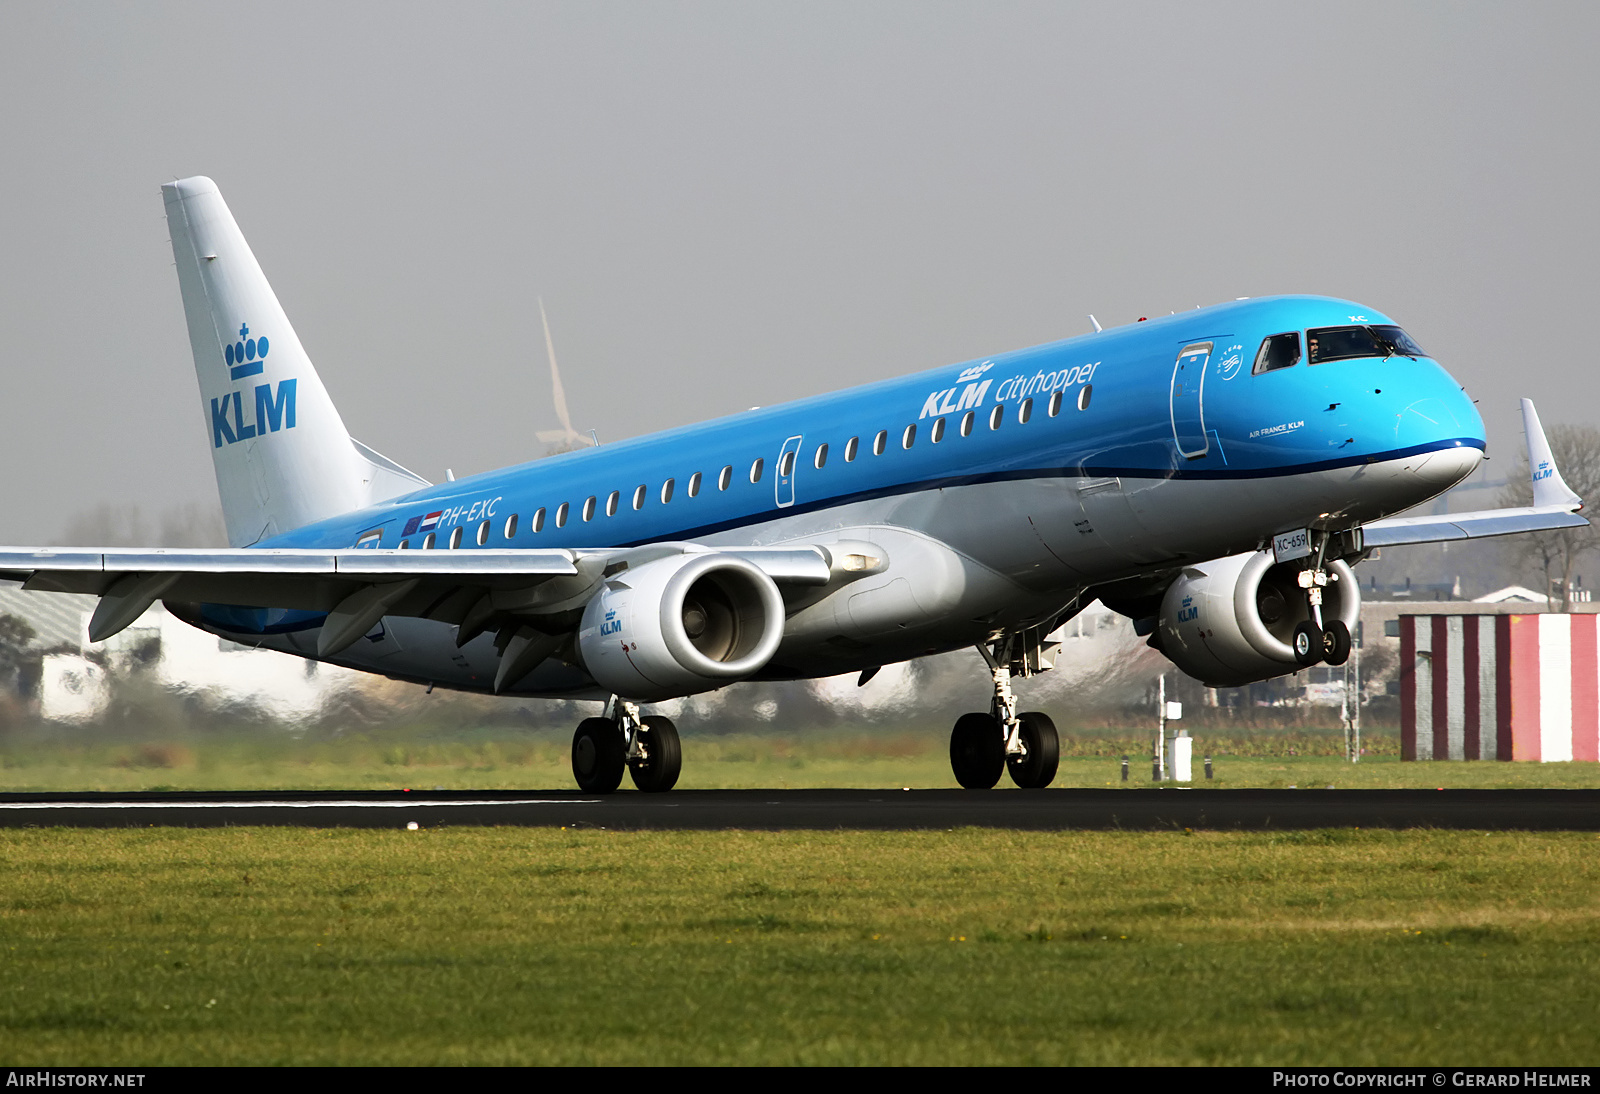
(265, 804)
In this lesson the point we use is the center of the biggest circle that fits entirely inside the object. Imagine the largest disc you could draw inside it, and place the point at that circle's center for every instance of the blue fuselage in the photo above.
(1048, 470)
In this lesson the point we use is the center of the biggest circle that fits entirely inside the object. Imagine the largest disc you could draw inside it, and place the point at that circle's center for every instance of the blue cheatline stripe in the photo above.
(1081, 472)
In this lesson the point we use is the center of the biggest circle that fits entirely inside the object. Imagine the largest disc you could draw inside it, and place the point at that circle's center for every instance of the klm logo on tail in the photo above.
(273, 407)
(246, 357)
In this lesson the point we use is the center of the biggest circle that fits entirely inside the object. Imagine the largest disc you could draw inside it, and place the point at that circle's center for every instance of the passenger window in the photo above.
(1083, 396)
(966, 423)
(880, 442)
(850, 447)
(725, 477)
(997, 415)
(1055, 404)
(1278, 351)
(639, 496)
(611, 503)
(588, 508)
(538, 521)
(483, 533)
(786, 465)
(455, 538)
(1024, 412)
(427, 542)
(694, 485)
(937, 433)
(909, 437)
(666, 490)
(756, 469)
(511, 526)
(405, 545)
(822, 456)
(561, 515)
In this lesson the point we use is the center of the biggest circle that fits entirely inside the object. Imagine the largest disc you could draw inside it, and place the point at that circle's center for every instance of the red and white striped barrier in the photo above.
(1499, 687)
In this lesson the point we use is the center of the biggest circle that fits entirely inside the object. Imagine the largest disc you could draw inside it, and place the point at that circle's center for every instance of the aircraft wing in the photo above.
(358, 587)
(1554, 505)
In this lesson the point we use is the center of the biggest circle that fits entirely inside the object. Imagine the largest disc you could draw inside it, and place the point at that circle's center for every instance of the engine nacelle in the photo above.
(680, 625)
(1230, 622)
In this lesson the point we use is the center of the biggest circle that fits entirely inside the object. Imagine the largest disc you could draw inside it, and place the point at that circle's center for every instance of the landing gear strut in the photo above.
(1317, 641)
(984, 745)
(648, 748)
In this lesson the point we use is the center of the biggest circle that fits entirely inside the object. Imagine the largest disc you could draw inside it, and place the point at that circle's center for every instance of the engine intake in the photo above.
(680, 625)
(1231, 621)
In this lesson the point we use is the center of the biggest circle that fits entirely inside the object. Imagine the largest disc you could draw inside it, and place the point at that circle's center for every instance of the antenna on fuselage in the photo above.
(1096, 322)
(567, 438)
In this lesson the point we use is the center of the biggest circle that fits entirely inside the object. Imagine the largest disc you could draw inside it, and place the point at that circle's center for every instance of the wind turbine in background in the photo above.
(565, 439)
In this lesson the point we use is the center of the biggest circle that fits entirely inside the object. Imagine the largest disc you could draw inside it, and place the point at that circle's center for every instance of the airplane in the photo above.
(1212, 474)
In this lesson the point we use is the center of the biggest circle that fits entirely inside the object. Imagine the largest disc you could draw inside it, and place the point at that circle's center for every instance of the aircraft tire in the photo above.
(1336, 643)
(598, 756)
(659, 773)
(1307, 643)
(977, 751)
(1037, 769)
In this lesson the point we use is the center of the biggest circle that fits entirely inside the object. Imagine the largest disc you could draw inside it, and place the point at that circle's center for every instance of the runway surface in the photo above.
(1039, 810)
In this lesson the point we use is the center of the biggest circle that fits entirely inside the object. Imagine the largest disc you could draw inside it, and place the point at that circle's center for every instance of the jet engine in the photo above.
(1231, 621)
(680, 625)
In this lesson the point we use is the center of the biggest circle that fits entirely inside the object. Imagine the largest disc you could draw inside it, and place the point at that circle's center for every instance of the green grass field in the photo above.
(509, 946)
(500, 946)
(502, 759)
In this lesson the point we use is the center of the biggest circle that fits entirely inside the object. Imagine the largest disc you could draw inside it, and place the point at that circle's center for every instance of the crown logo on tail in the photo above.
(247, 356)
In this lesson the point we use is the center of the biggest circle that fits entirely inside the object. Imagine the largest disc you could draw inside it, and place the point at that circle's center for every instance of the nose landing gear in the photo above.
(1316, 641)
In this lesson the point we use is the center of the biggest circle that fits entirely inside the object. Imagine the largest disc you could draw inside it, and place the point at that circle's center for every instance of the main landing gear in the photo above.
(647, 747)
(984, 745)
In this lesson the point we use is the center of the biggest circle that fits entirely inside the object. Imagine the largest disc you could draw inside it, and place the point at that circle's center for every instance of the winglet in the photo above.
(1549, 488)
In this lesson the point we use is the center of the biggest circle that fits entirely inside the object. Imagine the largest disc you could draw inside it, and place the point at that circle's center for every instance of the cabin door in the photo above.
(787, 459)
(1188, 392)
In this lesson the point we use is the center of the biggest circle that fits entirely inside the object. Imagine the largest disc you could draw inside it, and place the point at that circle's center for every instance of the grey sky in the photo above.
(732, 204)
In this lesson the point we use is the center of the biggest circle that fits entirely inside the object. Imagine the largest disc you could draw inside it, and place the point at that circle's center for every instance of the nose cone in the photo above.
(1443, 469)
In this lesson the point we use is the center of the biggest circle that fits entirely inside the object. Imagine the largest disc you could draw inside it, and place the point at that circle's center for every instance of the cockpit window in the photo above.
(1341, 343)
(1338, 343)
(1278, 351)
(1402, 342)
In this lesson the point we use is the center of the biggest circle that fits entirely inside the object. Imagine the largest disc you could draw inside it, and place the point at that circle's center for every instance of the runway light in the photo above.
(411, 826)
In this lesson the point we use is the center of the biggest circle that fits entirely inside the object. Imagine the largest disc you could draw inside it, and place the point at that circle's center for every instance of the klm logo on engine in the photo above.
(240, 415)
(1189, 611)
(612, 625)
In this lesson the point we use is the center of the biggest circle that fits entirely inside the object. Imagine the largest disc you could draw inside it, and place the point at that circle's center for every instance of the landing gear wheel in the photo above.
(658, 771)
(1035, 769)
(1336, 643)
(977, 751)
(598, 755)
(1307, 643)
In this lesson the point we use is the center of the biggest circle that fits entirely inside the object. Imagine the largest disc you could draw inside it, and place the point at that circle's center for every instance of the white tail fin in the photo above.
(282, 455)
